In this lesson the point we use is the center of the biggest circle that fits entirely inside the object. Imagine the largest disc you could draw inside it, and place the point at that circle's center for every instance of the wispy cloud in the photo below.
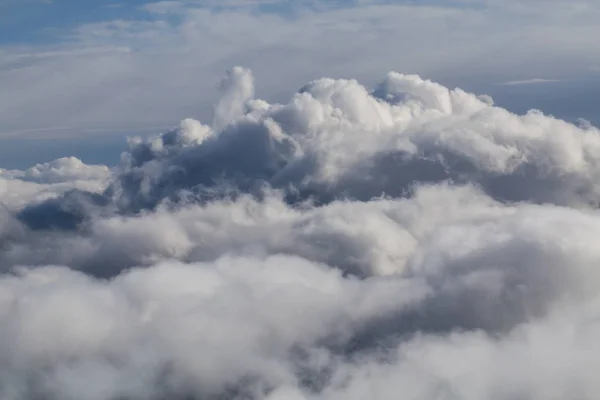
(166, 67)
(531, 81)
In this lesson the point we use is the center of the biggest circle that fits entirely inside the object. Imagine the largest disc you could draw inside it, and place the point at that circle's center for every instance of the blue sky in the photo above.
(45, 21)
(39, 21)
(77, 71)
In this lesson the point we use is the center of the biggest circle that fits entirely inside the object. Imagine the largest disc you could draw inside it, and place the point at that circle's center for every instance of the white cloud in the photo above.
(530, 81)
(505, 306)
(60, 170)
(346, 244)
(334, 136)
(49, 180)
(160, 69)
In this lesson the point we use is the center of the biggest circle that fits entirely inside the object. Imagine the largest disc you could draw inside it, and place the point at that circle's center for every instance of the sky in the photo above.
(72, 70)
(308, 200)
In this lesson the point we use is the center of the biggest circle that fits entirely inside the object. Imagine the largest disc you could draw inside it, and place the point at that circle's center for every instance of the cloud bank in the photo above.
(407, 240)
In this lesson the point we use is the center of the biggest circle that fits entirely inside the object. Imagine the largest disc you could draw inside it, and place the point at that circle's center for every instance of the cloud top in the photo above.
(335, 136)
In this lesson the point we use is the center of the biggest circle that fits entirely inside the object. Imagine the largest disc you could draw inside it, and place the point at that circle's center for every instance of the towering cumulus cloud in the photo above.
(336, 139)
(406, 242)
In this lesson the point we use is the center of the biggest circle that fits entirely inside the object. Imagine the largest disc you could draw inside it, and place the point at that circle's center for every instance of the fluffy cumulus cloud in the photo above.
(335, 138)
(405, 240)
(62, 170)
(48, 180)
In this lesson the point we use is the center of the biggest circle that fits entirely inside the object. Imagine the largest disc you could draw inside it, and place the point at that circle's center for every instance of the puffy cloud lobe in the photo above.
(61, 170)
(49, 180)
(411, 241)
(238, 89)
(223, 310)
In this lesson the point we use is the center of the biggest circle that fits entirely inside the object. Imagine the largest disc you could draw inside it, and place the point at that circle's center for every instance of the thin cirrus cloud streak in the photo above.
(157, 66)
(348, 243)
(531, 81)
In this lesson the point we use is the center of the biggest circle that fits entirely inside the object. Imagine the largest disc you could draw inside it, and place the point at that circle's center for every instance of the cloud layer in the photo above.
(156, 64)
(406, 241)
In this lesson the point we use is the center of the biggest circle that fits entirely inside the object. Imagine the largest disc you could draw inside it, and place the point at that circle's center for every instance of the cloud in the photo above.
(238, 89)
(347, 243)
(344, 235)
(464, 321)
(530, 81)
(334, 136)
(154, 68)
(48, 180)
(60, 170)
